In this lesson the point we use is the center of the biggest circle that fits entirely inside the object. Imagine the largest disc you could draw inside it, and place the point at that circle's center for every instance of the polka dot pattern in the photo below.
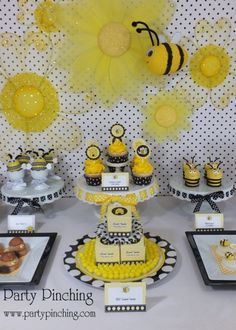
(167, 267)
(212, 132)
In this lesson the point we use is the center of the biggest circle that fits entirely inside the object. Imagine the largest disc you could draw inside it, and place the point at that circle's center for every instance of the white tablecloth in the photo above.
(181, 301)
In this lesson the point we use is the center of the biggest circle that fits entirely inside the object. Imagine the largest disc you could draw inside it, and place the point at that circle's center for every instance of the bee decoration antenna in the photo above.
(209, 159)
(10, 156)
(218, 166)
(192, 158)
(28, 151)
(210, 165)
(50, 150)
(217, 158)
(188, 165)
(150, 31)
(21, 150)
(36, 153)
(197, 165)
(185, 160)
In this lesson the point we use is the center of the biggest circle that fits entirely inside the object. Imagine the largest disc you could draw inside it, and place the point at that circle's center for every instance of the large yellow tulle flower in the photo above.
(29, 101)
(102, 51)
(166, 116)
(212, 67)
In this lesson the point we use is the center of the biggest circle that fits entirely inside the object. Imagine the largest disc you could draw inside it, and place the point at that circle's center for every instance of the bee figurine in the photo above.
(162, 58)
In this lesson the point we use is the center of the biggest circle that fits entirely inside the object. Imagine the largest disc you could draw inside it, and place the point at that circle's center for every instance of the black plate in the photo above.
(220, 278)
(41, 250)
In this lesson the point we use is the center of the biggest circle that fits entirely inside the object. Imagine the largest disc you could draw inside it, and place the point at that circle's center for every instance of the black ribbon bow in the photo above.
(199, 199)
(21, 201)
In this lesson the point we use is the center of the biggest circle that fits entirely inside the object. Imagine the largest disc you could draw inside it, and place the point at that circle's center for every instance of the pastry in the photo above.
(229, 261)
(141, 168)
(223, 247)
(93, 166)
(9, 262)
(191, 175)
(18, 246)
(214, 174)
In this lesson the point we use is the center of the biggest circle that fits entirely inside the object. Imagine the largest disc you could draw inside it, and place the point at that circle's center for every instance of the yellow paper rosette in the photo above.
(166, 115)
(212, 66)
(29, 100)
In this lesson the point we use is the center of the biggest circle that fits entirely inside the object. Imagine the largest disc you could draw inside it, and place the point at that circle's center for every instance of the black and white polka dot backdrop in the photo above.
(213, 132)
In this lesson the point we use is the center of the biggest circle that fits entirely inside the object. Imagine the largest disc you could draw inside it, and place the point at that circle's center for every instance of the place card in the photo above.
(117, 181)
(21, 224)
(209, 221)
(125, 297)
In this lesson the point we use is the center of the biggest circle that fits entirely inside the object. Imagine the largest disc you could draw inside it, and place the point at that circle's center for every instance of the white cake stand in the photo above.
(202, 194)
(31, 197)
(88, 194)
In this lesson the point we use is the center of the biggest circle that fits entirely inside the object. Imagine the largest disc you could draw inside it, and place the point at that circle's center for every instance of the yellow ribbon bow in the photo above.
(105, 200)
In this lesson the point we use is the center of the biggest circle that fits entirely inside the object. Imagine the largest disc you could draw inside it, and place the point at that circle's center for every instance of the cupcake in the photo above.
(117, 152)
(93, 166)
(9, 262)
(141, 168)
(214, 175)
(18, 246)
(191, 175)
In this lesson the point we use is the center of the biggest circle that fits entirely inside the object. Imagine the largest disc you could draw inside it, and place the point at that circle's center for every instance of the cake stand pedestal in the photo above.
(202, 195)
(94, 195)
(31, 197)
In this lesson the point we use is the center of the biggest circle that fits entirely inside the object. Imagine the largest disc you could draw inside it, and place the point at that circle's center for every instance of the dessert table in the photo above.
(181, 301)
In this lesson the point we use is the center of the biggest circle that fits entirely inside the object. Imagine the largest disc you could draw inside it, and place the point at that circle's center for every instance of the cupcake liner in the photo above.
(117, 159)
(93, 181)
(142, 180)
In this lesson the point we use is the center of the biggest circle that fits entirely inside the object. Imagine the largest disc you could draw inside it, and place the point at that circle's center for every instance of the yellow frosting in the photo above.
(94, 166)
(141, 165)
(117, 147)
(214, 174)
(192, 174)
(118, 271)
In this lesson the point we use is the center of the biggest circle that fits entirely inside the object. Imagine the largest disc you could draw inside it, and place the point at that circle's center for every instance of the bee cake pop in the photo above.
(15, 174)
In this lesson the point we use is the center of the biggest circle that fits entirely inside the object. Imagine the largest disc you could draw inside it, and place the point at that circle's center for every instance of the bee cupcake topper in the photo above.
(117, 132)
(143, 151)
(162, 58)
(93, 152)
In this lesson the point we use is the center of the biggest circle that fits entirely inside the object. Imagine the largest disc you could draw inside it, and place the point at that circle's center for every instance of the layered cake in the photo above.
(120, 250)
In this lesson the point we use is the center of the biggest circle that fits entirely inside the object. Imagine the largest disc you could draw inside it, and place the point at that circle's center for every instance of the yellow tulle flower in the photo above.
(29, 100)
(102, 51)
(166, 116)
(40, 18)
(212, 67)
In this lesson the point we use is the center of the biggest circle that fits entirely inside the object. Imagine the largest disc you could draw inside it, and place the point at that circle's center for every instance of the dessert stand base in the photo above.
(162, 269)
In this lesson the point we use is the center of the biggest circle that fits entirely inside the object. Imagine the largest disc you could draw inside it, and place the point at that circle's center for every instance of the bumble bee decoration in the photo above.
(162, 58)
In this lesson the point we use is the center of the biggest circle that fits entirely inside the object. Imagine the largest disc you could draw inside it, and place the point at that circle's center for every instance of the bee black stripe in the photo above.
(170, 57)
(181, 53)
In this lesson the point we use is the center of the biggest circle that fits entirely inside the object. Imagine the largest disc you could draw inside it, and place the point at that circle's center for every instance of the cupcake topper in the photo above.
(117, 132)
(93, 152)
(143, 151)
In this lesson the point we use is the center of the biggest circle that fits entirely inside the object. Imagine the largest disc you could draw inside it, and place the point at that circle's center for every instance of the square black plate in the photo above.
(200, 243)
(33, 264)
